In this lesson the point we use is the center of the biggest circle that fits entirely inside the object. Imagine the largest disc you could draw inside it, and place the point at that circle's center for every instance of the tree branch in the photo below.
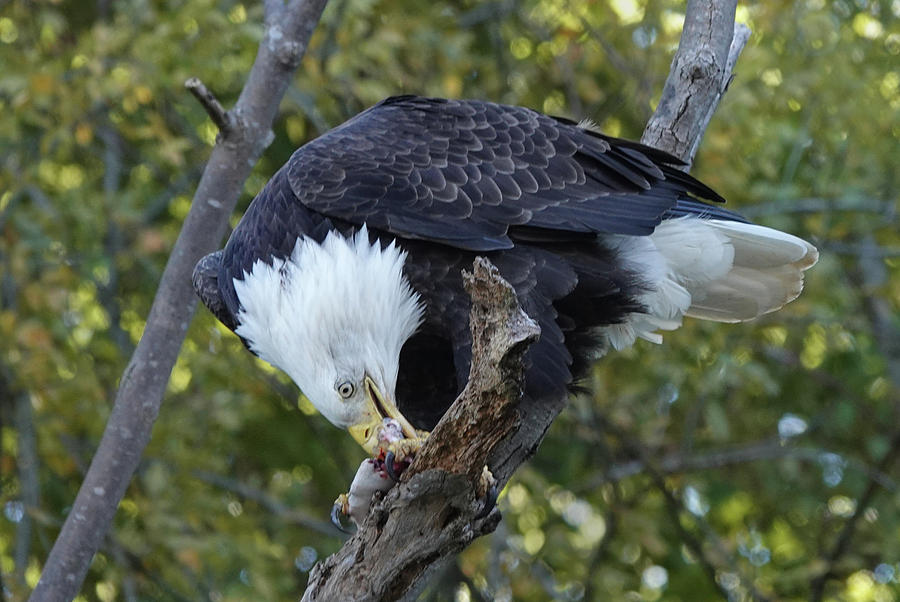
(842, 543)
(214, 108)
(144, 381)
(29, 480)
(817, 206)
(438, 499)
(773, 449)
(711, 565)
(700, 74)
(269, 502)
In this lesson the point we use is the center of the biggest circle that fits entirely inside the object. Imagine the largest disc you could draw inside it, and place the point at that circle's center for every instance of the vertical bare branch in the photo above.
(144, 382)
(699, 75)
(29, 482)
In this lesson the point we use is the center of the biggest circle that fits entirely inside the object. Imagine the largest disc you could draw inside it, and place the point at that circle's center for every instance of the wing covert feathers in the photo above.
(205, 280)
(604, 239)
(464, 172)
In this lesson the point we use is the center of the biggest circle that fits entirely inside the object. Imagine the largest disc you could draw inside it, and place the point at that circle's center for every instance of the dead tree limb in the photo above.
(288, 29)
(432, 513)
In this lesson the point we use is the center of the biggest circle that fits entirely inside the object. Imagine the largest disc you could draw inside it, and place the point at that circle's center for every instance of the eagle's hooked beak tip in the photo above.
(379, 407)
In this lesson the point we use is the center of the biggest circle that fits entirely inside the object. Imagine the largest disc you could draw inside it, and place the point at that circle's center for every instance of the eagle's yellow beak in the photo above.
(379, 407)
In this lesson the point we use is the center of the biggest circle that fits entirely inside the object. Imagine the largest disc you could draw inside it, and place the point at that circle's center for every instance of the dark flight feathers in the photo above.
(455, 178)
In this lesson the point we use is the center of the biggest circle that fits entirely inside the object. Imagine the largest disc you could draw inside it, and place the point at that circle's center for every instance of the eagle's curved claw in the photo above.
(377, 474)
(488, 484)
(340, 508)
(399, 454)
(389, 459)
(488, 502)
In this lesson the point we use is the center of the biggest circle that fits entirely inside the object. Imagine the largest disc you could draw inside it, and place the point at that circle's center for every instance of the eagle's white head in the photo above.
(334, 317)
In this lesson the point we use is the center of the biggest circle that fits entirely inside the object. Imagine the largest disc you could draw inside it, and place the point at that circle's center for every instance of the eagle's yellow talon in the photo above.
(486, 482)
(340, 508)
(399, 454)
(489, 490)
(405, 448)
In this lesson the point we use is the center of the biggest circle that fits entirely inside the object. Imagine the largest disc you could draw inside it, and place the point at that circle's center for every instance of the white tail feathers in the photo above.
(711, 269)
(766, 274)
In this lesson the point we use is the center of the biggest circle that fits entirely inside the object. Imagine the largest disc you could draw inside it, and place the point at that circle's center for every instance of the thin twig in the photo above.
(740, 39)
(222, 118)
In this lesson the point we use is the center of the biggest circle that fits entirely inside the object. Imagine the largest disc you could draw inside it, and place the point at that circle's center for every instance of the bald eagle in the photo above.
(345, 270)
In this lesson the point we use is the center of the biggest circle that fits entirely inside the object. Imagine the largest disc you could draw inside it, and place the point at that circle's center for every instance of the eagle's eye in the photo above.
(346, 389)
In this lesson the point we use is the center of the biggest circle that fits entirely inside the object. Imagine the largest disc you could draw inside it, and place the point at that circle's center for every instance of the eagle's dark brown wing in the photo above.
(472, 174)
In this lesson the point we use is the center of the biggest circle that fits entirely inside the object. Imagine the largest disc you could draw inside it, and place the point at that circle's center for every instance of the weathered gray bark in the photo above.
(430, 515)
(700, 73)
(137, 403)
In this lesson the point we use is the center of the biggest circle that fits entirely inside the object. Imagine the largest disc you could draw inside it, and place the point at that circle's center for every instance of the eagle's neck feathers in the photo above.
(340, 301)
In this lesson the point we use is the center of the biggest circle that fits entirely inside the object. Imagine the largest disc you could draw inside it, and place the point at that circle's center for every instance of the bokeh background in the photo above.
(739, 461)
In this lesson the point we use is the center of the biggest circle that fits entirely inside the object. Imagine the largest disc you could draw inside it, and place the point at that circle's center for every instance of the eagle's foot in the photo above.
(489, 490)
(340, 509)
(393, 456)
(371, 478)
(407, 448)
(399, 454)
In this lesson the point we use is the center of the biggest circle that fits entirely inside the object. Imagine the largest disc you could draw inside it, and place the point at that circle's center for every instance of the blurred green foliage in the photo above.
(734, 460)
